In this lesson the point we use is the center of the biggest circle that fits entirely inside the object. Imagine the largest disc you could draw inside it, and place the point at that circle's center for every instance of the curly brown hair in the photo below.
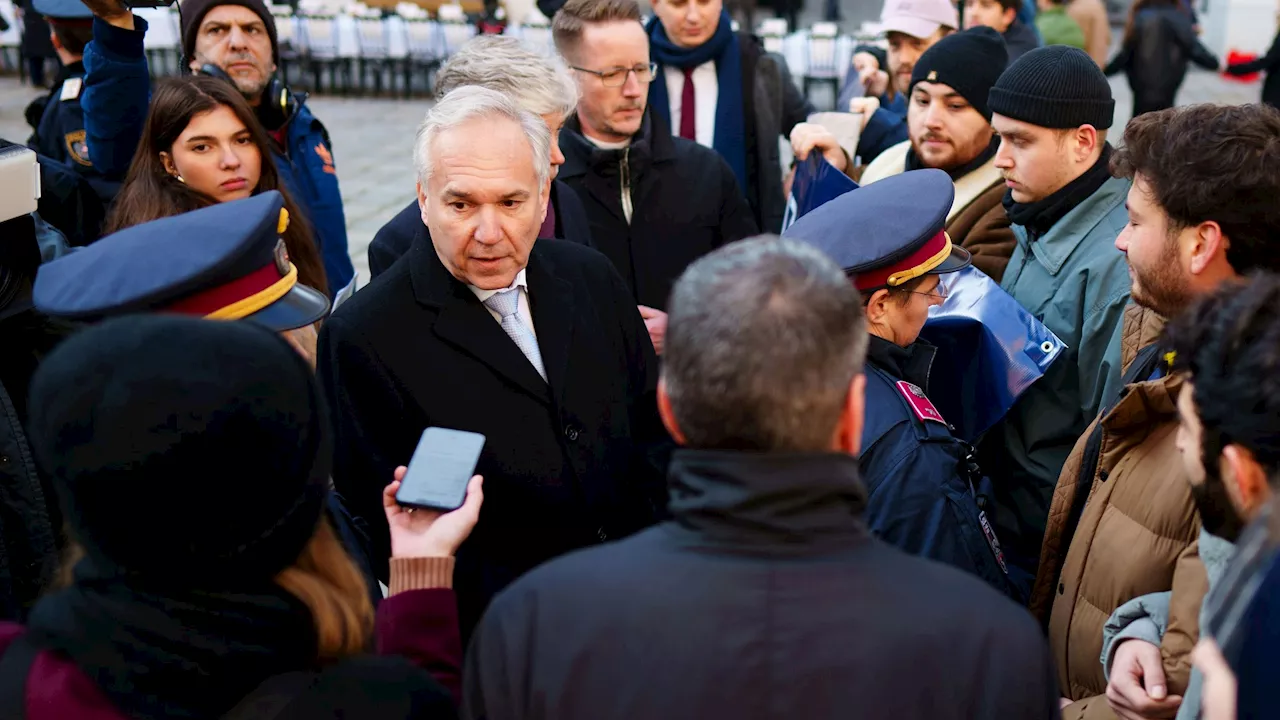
(1212, 162)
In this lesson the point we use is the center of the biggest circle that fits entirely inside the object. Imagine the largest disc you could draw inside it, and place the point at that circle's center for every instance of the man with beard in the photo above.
(655, 202)
(236, 41)
(950, 126)
(1229, 409)
(1197, 219)
(911, 27)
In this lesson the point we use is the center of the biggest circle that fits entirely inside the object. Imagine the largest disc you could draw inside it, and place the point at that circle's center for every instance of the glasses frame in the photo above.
(624, 73)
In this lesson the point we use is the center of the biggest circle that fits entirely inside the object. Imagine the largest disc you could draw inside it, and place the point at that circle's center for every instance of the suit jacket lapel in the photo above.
(551, 299)
(464, 323)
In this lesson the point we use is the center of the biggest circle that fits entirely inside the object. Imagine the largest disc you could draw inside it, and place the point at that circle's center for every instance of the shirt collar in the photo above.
(483, 295)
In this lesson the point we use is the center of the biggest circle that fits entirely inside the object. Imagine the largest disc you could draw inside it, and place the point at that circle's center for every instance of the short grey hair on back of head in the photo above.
(538, 83)
(764, 337)
(472, 103)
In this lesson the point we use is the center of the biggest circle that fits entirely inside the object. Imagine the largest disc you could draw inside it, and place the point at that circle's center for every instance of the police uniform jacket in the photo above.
(116, 96)
(920, 477)
(564, 461)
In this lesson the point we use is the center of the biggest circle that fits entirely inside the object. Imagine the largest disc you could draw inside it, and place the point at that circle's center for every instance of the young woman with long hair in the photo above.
(201, 145)
(191, 459)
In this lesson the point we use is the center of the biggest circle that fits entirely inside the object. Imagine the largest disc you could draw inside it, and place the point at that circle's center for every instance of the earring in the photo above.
(179, 177)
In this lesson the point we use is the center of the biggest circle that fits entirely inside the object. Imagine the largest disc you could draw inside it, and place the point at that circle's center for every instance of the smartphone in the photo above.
(440, 469)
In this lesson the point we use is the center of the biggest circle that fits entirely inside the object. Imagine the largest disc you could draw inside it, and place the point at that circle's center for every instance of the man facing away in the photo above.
(722, 90)
(1123, 520)
(235, 40)
(950, 125)
(1051, 110)
(537, 83)
(765, 595)
(535, 344)
(655, 202)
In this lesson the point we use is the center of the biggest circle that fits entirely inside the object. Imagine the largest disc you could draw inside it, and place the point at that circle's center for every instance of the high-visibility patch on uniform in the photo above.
(77, 148)
(919, 403)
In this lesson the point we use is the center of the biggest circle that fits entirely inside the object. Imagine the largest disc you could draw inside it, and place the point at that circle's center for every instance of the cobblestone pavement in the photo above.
(373, 143)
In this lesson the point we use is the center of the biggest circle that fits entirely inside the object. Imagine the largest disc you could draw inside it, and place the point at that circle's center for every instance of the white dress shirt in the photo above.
(526, 316)
(706, 91)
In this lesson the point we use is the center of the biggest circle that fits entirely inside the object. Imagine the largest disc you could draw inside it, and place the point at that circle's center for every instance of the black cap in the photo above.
(187, 450)
(224, 262)
(969, 62)
(888, 232)
(1058, 87)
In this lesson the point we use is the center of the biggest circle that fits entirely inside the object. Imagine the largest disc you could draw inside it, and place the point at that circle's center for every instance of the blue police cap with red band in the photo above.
(888, 232)
(222, 262)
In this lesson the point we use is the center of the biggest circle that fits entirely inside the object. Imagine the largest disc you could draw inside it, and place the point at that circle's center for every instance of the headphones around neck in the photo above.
(278, 105)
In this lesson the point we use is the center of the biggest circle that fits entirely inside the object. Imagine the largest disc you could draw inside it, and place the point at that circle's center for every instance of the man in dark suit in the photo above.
(539, 347)
(537, 83)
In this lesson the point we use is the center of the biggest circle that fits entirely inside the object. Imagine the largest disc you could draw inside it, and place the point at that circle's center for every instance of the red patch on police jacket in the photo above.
(919, 403)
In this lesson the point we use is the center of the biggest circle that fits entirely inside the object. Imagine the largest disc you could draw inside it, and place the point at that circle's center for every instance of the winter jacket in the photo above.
(778, 107)
(37, 41)
(116, 97)
(1136, 531)
(920, 478)
(977, 220)
(1270, 64)
(419, 625)
(1146, 618)
(1155, 56)
(764, 597)
(682, 199)
(395, 238)
(1020, 38)
(1091, 16)
(1058, 28)
(1075, 282)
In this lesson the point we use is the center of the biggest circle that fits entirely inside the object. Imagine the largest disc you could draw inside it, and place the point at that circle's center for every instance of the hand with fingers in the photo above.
(655, 321)
(422, 532)
(114, 12)
(807, 137)
(1137, 690)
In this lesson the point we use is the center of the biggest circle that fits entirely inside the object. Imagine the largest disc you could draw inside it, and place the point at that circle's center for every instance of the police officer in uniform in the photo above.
(234, 267)
(889, 237)
(57, 118)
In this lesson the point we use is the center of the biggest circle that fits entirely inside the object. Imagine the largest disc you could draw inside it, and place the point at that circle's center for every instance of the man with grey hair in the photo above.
(537, 83)
(765, 595)
(534, 344)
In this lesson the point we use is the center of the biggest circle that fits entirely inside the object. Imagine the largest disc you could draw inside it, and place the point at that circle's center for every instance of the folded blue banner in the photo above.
(990, 350)
(816, 181)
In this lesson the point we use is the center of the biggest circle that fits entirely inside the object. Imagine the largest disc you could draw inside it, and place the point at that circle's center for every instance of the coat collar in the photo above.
(653, 143)
(1056, 246)
(464, 322)
(782, 504)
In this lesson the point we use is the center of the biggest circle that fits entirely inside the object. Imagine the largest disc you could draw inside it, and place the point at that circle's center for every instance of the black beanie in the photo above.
(969, 62)
(1057, 87)
(190, 451)
(192, 13)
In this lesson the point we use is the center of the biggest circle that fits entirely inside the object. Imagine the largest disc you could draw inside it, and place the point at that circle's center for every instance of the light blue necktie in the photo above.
(507, 305)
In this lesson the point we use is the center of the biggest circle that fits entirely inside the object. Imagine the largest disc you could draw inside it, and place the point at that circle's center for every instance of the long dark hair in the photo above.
(150, 192)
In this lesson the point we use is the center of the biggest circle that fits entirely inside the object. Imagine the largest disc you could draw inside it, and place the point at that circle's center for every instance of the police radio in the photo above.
(278, 105)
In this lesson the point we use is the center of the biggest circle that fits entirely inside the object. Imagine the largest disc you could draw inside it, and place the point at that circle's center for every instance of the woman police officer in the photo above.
(889, 238)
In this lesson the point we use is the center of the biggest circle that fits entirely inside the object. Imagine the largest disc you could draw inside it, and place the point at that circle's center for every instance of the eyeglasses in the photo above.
(939, 292)
(617, 77)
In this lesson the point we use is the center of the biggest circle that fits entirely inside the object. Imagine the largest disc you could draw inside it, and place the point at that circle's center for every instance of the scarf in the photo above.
(731, 134)
(1040, 217)
(913, 162)
(180, 653)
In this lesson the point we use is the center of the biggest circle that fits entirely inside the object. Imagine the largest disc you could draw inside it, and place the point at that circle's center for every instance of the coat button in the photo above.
(1062, 588)
(1103, 475)
(571, 432)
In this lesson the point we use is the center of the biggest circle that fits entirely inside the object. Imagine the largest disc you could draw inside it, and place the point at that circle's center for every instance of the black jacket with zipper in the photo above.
(1155, 55)
(682, 199)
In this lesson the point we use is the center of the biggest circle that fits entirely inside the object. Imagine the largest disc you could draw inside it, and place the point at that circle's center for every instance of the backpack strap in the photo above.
(15, 668)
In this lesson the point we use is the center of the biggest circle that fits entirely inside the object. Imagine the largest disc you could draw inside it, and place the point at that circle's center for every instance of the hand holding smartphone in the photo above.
(433, 505)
